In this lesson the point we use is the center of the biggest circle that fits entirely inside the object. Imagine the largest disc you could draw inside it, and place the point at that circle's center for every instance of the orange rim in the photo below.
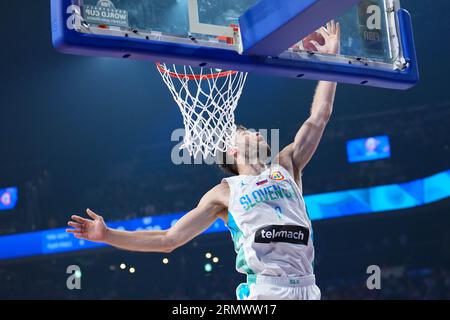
(194, 76)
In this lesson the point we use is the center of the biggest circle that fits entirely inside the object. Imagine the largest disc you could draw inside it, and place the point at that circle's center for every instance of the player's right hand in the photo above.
(93, 229)
(332, 36)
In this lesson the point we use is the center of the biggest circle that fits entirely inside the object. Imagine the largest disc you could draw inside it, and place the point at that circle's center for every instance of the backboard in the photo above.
(261, 36)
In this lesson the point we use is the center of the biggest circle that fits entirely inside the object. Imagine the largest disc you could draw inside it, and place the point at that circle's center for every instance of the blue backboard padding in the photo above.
(321, 206)
(270, 27)
(72, 42)
(408, 43)
(8, 198)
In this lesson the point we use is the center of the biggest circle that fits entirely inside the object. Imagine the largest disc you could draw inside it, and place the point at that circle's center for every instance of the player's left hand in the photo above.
(332, 35)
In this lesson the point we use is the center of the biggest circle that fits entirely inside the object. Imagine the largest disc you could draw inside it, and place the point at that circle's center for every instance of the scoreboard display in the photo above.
(368, 149)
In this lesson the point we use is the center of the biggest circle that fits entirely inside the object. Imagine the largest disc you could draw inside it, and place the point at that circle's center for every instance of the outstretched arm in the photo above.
(308, 137)
(298, 154)
(187, 228)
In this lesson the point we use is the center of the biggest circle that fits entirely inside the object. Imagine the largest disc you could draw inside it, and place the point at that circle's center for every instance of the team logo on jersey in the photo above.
(277, 176)
(289, 234)
(260, 183)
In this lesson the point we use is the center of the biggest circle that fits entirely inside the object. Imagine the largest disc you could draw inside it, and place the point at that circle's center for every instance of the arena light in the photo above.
(208, 255)
(165, 261)
(123, 266)
(132, 270)
(208, 267)
(78, 274)
(215, 260)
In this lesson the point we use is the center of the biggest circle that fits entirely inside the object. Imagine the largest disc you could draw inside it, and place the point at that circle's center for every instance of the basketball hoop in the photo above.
(207, 100)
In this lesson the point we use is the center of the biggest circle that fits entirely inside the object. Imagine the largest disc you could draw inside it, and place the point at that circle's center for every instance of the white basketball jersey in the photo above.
(269, 225)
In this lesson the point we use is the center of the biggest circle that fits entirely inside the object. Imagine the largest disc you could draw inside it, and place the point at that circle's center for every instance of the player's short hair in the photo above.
(224, 164)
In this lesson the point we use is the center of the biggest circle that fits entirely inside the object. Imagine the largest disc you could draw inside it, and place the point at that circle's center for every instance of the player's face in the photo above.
(251, 146)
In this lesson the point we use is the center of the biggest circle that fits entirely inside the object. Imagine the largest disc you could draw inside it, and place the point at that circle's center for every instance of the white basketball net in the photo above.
(207, 101)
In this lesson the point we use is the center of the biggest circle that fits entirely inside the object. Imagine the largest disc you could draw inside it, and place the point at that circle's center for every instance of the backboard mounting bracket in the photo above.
(269, 27)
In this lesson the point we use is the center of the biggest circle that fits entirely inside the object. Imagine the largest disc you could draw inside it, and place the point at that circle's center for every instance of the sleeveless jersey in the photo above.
(271, 230)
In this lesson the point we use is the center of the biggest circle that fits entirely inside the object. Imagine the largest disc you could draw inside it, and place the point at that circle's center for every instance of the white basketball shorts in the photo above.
(278, 288)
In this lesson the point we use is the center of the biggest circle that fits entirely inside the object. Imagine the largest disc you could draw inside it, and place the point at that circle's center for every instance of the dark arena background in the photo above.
(82, 132)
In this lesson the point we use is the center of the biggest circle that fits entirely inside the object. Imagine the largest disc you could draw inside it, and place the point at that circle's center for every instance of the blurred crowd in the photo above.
(420, 146)
(432, 284)
(128, 188)
(429, 284)
(47, 282)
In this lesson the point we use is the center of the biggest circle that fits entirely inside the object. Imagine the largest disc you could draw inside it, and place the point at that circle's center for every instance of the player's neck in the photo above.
(252, 169)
